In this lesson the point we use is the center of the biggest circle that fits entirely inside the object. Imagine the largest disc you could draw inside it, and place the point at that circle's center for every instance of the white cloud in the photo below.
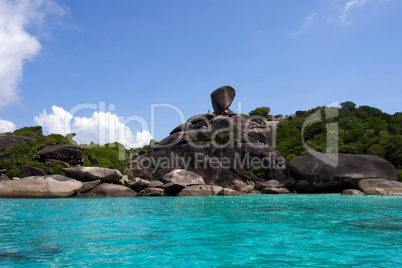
(349, 6)
(16, 44)
(6, 126)
(307, 22)
(100, 128)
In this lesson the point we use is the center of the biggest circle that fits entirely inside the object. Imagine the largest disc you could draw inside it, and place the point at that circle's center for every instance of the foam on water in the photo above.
(250, 231)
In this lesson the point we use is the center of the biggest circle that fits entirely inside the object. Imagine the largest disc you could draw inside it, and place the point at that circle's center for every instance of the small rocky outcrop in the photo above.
(7, 141)
(88, 186)
(105, 175)
(380, 187)
(70, 154)
(352, 192)
(196, 190)
(316, 176)
(110, 190)
(32, 171)
(183, 177)
(50, 186)
(152, 191)
(4, 177)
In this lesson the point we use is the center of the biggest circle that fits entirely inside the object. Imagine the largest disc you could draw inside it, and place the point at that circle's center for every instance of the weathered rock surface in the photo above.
(314, 175)
(105, 175)
(275, 190)
(110, 190)
(137, 182)
(196, 190)
(70, 154)
(4, 177)
(155, 184)
(183, 177)
(32, 171)
(380, 187)
(352, 192)
(7, 141)
(141, 173)
(264, 184)
(50, 186)
(228, 191)
(173, 188)
(88, 186)
(152, 191)
(222, 98)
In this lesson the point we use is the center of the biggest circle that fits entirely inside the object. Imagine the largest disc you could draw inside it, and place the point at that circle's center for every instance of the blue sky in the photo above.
(58, 55)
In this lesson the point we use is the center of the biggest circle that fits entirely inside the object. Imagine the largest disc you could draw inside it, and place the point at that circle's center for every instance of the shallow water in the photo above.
(215, 231)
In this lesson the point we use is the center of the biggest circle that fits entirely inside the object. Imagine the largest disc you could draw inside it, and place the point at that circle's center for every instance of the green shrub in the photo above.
(224, 138)
(260, 111)
(399, 175)
(194, 138)
(256, 172)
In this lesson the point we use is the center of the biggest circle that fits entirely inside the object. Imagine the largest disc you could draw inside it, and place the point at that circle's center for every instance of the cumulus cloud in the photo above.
(6, 126)
(307, 22)
(349, 6)
(16, 44)
(100, 128)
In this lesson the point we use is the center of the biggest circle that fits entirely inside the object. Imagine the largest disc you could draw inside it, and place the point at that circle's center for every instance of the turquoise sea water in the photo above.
(243, 231)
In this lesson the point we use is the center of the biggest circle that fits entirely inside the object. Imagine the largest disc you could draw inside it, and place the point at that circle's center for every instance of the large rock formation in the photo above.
(105, 175)
(223, 148)
(51, 186)
(110, 190)
(70, 154)
(380, 187)
(7, 141)
(314, 175)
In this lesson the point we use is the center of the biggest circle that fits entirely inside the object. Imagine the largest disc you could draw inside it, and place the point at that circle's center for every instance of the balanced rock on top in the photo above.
(222, 98)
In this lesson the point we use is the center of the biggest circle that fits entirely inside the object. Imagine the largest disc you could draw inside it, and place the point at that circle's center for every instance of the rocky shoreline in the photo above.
(219, 153)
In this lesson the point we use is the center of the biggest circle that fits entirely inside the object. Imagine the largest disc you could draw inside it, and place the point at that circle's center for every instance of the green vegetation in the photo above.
(256, 172)
(399, 175)
(224, 138)
(22, 154)
(360, 130)
(260, 111)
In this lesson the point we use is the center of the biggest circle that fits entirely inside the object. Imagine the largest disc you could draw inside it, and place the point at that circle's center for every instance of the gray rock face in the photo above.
(275, 190)
(173, 188)
(314, 175)
(141, 173)
(32, 171)
(156, 184)
(137, 182)
(4, 177)
(380, 187)
(196, 190)
(352, 192)
(70, 154)
(7, 141)
(88, 186)
(222, 98)
(175, 139)
(183, 127)
(105, 175)
(262, 185)
(183, 177)
(110, 190)
(228, 191)
(50, 186)
(152, 191)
